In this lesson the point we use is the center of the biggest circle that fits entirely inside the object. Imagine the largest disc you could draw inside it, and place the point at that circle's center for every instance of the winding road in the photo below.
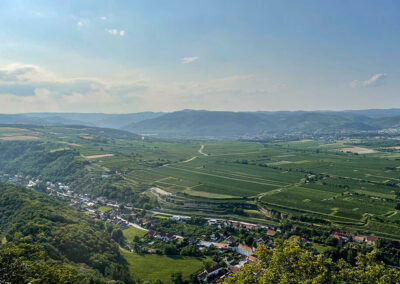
(201, 150)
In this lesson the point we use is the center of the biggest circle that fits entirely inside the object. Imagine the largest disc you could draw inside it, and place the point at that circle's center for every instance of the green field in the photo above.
(104, 209)
(151, 267)
(132, 232)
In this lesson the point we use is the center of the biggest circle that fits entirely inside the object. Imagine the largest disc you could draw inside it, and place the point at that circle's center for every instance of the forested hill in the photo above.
(44, 240)
(193, 123)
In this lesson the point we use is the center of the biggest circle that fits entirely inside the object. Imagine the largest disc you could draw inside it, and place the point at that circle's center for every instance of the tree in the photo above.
(249, 240)
(177, 278)
(291, 263)
(170, 250)
(117, 235)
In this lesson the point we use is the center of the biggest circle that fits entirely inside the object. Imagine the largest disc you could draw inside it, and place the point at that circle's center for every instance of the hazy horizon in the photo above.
(178, 110)
(129, 57)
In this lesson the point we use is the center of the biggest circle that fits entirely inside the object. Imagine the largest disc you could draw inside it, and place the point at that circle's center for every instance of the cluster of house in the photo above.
(63, 191)
(32, 183)
(246, 252)
(345, 237)
(112, 216)
(234, 224)
(57, 185)
(166, 237)
(389, 131)
(210, 273)
(14, 179)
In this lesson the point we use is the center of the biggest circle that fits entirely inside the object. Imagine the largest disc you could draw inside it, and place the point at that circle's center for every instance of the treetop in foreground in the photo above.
(291, 263)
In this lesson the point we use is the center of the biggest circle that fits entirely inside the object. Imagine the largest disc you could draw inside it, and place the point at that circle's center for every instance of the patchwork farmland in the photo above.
(262, 182)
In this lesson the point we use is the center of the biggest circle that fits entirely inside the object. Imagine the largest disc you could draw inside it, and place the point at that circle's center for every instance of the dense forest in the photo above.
(47, 241)
(38, 159)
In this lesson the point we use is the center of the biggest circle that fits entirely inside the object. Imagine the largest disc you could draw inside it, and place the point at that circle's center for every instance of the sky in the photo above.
(132, 56)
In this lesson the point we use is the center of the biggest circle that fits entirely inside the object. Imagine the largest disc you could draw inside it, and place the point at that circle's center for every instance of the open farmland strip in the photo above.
(130, 180)
(233, 154)
(279, 183)
(313, 212)
(171, 184)
(234, 175)
(222, 177)
(241, 174)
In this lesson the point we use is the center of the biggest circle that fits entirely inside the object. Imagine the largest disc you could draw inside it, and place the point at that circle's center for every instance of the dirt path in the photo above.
(98, 156)
(188, 160)
(201, 150)
(192, 158)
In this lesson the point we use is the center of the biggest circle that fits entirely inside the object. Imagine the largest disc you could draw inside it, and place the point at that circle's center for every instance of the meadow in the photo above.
(151, 267)
(131, 232)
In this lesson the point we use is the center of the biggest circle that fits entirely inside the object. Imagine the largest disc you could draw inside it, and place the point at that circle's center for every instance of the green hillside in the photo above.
(229, 124)
(46, 241)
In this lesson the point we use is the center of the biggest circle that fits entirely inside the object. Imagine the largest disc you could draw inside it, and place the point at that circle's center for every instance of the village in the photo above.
(221, 237)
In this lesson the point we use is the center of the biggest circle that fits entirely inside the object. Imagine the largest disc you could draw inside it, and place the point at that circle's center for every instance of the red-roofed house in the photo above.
(213, 270)
(236, 225)
(160, 235)
(341, 237)
(271, 232)
(244, 250)
(222, 246)
(358, 239)
(371, 240)
(250, 227)
(234, 268)
(301, 240)
(252, 258)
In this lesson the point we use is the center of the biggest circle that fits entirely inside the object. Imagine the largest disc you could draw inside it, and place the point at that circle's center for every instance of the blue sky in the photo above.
(130, 56)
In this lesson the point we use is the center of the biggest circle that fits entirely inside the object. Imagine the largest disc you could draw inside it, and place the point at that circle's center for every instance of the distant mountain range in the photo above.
(190, 123)
(117, 121)
(202, 123)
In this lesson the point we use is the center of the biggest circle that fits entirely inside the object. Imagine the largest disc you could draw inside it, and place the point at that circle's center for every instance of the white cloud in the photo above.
(187, 60)
(115, 32)
(82, 23)
(25, 73)
(375, 80)
(31, 88)
(103, 18)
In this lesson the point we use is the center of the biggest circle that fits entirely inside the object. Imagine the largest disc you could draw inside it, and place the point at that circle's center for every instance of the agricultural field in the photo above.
(349, 183)
(104, 209)
(151, 267)
(132, 232)
(16, 134)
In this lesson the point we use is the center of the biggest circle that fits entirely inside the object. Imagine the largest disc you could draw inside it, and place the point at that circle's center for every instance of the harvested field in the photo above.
(357, 150)
(303, 140)
(13, 129)
(208, 194)
(18, 138)
(99, 156)
(280, 163)
(160, 191)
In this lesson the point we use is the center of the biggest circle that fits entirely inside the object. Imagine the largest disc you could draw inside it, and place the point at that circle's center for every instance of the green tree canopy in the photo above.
(291, 263)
